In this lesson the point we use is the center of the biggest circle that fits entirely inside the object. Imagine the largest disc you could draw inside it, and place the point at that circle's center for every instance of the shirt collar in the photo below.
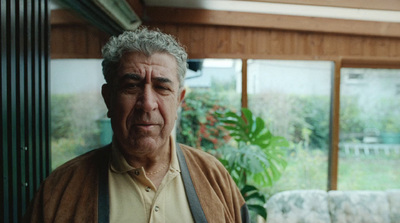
(120, 165)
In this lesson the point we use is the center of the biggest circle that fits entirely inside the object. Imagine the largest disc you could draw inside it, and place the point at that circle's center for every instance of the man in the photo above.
(143, 176)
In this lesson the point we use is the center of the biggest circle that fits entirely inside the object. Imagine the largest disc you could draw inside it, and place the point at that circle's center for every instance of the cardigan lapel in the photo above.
(193, 199)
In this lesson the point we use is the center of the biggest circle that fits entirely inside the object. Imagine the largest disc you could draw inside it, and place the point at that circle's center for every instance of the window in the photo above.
(211, 85)
(293, 97)
(78, 113)
(369, 130)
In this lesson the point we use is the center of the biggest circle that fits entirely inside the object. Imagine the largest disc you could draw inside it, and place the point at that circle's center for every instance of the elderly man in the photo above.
(143, 176)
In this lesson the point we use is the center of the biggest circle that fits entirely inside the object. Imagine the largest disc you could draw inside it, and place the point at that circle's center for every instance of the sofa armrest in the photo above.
(394, 204)
(358, 207)
(298, 206)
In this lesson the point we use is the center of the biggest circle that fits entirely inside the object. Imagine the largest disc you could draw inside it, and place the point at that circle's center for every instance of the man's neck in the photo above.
(160, 156)
(155, 164)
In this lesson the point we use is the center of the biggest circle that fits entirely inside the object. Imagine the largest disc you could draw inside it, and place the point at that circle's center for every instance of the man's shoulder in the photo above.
(82, 164)
(201, 158)
(196, 152)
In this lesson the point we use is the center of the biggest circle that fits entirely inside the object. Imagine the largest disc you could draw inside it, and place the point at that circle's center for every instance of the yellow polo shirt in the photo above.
(134, 198)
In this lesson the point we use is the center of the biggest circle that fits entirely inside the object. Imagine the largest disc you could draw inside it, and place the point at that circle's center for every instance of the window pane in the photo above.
(77, 109)
(211, 85)
(293, 97)
(369, 129)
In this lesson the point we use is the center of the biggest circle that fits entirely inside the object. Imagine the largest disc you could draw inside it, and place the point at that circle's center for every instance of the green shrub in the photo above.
(198, 122)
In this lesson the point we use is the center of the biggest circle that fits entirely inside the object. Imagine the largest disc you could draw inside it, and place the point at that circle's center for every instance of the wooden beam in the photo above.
(393, 5)
(258, 20)
(244, 84)
(333, 164)
(365, 62)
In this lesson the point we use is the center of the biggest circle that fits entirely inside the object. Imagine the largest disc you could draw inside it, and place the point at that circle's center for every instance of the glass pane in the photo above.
(78, 113)
(211, 85)
(293, 97)
(369, 129)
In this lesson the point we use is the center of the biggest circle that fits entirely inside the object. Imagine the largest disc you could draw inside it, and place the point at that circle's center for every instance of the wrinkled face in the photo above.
(143, 102)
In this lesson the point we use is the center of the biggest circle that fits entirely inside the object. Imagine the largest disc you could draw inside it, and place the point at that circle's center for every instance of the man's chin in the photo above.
(142, 145)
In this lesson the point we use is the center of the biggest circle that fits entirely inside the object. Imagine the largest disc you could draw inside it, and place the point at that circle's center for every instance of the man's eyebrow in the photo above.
(136, 77)
(162, 79)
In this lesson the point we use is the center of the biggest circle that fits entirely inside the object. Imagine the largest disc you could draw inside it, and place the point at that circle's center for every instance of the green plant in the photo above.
(255, 159)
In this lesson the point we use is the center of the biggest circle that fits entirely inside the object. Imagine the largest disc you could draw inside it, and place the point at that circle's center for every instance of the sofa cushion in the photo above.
(394, 204)
(298, 206)
(358, 207)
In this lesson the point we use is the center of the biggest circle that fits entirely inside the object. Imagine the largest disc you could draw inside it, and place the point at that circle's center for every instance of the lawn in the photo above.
(308, 169)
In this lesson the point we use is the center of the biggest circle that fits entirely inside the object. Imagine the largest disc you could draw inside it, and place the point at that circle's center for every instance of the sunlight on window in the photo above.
(78, 113)
(293, 97)
(212, 85)
(369, 129)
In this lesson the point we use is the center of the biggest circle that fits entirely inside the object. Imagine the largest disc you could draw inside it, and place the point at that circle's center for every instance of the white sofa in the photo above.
(318, 206)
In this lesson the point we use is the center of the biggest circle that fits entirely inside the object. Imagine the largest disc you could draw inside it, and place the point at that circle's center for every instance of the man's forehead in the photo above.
(162, 59)
(158, 62)
(139, 77)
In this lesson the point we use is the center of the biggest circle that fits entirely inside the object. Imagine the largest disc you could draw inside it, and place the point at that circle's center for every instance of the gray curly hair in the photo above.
(144, 41)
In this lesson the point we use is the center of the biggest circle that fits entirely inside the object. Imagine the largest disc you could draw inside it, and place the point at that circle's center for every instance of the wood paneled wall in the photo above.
(73, 37)
(76, 41)
(214, 41)
(236, 42)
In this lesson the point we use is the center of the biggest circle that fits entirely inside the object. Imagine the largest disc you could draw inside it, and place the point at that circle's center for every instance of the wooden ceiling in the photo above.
(293, 17)
(371, 17)
(372, 10)
(358, 4)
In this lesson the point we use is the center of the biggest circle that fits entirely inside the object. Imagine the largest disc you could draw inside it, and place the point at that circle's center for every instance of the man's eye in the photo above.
(131, 85)
(162, 88)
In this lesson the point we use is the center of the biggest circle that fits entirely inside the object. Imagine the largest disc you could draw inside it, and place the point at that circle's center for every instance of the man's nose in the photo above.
(147, 100)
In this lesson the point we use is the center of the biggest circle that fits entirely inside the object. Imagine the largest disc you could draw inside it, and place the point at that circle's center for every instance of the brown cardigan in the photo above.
(72, 193)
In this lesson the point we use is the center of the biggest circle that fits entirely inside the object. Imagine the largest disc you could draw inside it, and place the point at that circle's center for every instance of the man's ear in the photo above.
(182, 95)
(106, 93)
